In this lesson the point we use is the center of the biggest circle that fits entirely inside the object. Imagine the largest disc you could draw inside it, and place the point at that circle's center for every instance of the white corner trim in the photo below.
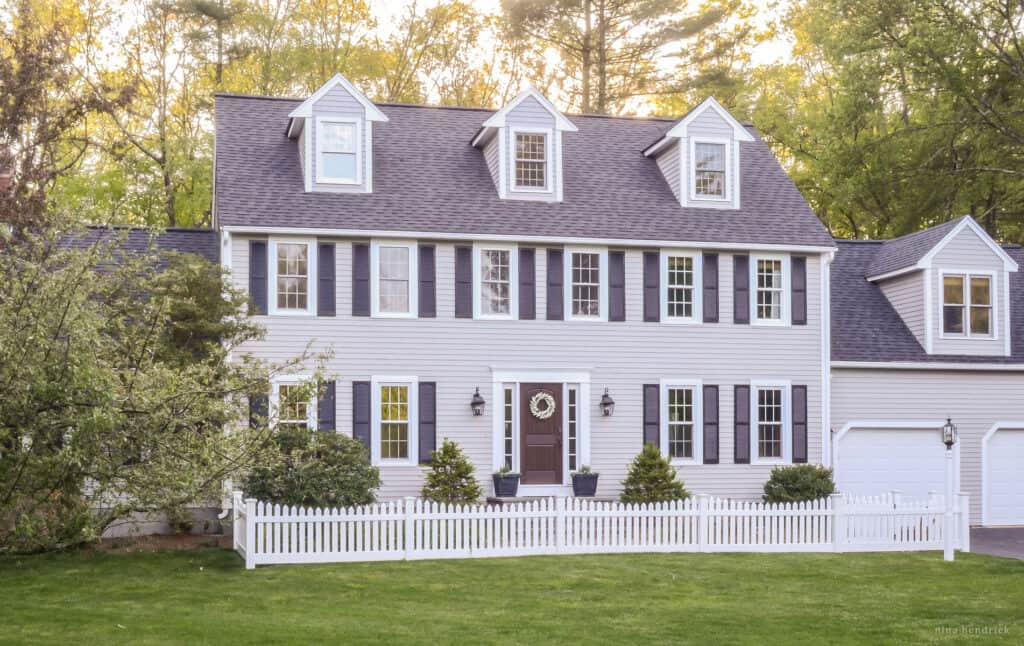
(929, 313)
(305, 109)
(311, 278)
(413, 300)
(998, 426)
(826, 360)
(367, 159)
(412, 399)
(500, 118)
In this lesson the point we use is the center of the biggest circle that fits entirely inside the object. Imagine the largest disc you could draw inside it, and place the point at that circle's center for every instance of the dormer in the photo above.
(334, 131)
(522, 146)
(699, 157)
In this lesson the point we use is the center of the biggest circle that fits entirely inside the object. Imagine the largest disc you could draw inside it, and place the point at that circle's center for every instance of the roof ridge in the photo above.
(141, 227)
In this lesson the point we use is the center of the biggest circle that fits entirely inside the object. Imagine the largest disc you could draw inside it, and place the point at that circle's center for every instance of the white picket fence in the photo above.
(266, 534)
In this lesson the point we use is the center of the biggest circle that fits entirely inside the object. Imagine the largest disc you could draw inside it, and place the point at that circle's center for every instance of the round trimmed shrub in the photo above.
(798, 483)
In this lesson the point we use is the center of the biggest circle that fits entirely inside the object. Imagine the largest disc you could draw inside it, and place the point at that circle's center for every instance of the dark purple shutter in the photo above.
(741, 438)
(361, 412)
(428, 420)
(464, 282)
(325, 299)
(556, 285)
(799, 396)
(652, 286)
(259, 408)
(710, 424)
(710, 280)
(798, 265)
(326, 408)
(527, 284)
(258, 276)
(427, 299)
(360, 279)
(616, 285)
(652, 412)
(741, 289)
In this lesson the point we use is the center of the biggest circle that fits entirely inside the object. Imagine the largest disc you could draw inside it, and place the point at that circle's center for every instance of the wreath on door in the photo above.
(542, 406)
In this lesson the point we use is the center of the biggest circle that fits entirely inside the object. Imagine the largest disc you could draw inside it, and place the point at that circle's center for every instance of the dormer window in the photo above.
(967, 305)
(709, 168)
(338, 151)
(531, 161)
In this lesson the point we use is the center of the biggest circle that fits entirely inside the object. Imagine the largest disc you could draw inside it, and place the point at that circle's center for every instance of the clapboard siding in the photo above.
(906, 293)
(974, 400)
(491, 157)
(339, 103)
(668, 163)
(710, 123)
(531, 114)
(459, 355)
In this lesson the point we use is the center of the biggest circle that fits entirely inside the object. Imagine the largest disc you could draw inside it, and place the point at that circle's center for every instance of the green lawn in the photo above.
(207, 596)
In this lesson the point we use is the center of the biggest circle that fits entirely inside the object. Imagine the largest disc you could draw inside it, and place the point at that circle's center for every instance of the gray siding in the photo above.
(459, 354)
(709, 124)
(974, 400)
(491, 153)
(339, 103)
(906, 293)
(668, 163)
(531, 114)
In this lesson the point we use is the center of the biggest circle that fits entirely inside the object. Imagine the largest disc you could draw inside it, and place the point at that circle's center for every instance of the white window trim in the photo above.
(375, 246)
(698, 287)
(513, 254)
(692, 180)
(787, 290)
(697, 386)
(275, 398)
(414, 409)
(787, 421)
(272, 308)
(549, 160)
(993, 292)
(320, 179)
(602, 288)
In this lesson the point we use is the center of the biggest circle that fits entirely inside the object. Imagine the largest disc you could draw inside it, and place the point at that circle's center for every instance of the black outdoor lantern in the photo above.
(477, 403)
(949, 434)
(607, 404)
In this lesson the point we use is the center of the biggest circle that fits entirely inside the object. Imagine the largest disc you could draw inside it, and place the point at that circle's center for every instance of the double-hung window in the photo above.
(496, 273)
(530, 158)
(395, 420)
(770, 435)
(337, 143)
(967, 305)
(293, 403)
(586, 284)
(709, 170)
(769, 289)
(393, 276)
(681, 280)
(681, 436)
(292, 273)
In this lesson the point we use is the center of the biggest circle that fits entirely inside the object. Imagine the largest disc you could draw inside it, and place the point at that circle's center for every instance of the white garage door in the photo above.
(873, 461)
(1004, 482)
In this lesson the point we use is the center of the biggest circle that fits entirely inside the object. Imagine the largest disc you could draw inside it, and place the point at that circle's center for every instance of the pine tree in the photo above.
(651, 478)
(451, 479)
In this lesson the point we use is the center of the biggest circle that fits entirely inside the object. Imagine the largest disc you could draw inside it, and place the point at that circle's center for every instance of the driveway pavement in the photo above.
(998, 541)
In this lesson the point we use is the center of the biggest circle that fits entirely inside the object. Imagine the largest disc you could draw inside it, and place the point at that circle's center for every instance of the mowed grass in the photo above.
(206, 596)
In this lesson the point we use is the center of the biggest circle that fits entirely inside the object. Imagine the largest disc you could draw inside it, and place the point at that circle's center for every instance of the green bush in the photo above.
(450, 479)
(652, 478)
(315, 470)
(798, 483)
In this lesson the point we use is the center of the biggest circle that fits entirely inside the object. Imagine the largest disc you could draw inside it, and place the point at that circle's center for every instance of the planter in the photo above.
(506, 485)
(584, 484)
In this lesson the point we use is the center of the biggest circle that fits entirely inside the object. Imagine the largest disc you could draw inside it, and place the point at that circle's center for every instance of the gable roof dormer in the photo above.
(334, 131)
(522, 146)
(699, 157)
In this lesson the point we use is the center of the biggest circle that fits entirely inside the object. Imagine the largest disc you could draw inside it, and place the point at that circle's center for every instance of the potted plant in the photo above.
(584, 481)
(506, 482)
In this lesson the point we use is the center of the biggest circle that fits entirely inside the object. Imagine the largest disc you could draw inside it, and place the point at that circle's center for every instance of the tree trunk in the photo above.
(169, 197)
(586, 57)
(602, 59)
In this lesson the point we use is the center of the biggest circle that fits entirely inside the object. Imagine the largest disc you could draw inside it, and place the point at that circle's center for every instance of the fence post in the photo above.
(236, 513)
(964, 501)
(250, 533)
(409, 504)
(702, 522)
(560, 523)
(838, 521)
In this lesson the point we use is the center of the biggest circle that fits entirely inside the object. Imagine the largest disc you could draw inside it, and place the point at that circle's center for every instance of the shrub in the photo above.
(315, 470)
(798, 483)
(451, 478)
(651, 478)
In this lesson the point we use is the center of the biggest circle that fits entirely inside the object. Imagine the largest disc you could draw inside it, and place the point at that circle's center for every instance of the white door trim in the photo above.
(998, 426)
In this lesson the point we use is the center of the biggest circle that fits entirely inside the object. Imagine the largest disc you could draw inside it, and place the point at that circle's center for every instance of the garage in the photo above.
(872, 461)
(1004, 477)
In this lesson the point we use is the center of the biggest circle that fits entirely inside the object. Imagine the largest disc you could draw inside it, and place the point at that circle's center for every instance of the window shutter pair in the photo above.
(362, 417)
(427, 287)
(258, 277)
(464, 283)
(652, 287)
(259, 408)
(709, 432)
(742, 422)
(741, 289)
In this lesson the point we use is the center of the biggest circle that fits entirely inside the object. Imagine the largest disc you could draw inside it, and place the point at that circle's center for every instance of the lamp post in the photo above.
(949, 437)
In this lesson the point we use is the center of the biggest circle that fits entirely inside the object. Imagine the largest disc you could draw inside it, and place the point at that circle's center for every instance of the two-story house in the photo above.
(552, 291)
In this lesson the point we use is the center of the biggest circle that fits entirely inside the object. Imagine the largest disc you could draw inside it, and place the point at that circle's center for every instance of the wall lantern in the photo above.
(607, 404)
(477, 403)
(949, 434)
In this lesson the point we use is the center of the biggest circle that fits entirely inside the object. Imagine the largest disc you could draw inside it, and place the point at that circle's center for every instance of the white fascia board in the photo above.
(968, 223)
(924, 365)
(373, 113)
(738, 130)
(498, 119)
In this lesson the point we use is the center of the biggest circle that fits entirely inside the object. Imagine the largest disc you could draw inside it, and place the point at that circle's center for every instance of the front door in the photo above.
(540, 429)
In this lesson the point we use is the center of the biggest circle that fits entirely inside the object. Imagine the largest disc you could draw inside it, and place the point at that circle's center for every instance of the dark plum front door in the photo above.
(540, 429)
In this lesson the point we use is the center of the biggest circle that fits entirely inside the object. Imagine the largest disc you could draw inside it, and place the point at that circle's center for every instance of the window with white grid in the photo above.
(394, 421)
(495, 281)
(967, 305)
(531, 160)
(770, 289)
(394, 284)
(508, 410)
(586, 284)
(572, 427)
(709, 170)
(680, 285)
(769, 422)
(293, 406)
(337, 144)
(680, 422)
(292, 276)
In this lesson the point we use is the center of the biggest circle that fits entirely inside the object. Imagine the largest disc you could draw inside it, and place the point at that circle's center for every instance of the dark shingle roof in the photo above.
(866, 327)
(427, 178)
(905, 251)
(202, 242)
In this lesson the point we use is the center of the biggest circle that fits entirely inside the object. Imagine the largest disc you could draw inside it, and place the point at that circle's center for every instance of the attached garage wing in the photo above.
(870, 460)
